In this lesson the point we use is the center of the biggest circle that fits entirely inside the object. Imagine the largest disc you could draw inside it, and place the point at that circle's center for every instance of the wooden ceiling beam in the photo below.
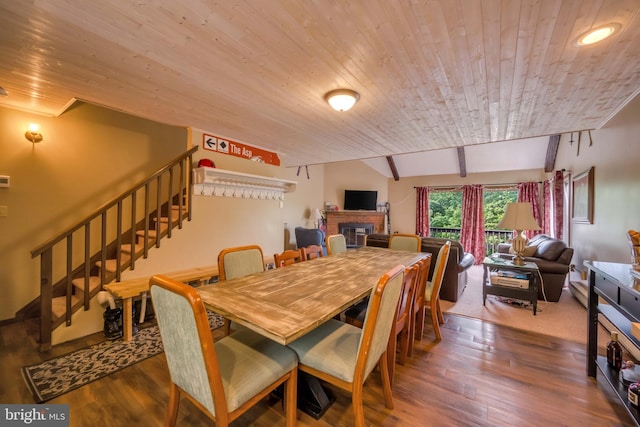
(552, 152)
(462, 162)
(392, 166)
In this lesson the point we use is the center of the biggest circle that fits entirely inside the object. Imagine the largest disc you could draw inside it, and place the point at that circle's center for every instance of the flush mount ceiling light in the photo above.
(597, 34)
(342, 99)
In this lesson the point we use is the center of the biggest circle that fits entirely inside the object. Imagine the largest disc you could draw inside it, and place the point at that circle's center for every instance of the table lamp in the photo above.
(317, 215)
(519, 217)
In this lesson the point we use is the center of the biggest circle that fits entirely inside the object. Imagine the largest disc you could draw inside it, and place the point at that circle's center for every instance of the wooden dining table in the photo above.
(285, 303)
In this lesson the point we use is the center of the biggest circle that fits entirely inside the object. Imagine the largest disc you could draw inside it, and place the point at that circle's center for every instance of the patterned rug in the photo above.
(62, 374)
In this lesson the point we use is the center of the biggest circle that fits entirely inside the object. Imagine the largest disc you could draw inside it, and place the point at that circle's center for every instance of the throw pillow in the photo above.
(528, 251)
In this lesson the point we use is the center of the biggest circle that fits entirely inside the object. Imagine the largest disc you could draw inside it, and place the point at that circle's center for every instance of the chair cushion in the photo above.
(249, 363)
(550, 249)
(332, 348)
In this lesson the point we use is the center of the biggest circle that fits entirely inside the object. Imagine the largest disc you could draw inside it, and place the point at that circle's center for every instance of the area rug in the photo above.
(62, 374)
(566, 319)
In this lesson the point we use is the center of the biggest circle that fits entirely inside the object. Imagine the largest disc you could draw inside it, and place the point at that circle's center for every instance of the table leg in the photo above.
(484, 285)
(127, 319)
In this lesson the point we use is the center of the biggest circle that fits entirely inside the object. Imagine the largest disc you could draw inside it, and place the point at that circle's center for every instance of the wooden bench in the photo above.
(129, 289)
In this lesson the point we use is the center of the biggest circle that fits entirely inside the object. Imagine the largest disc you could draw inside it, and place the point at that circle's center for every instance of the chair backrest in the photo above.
(421, 282)
(433, 287)
(405, 242)
(403, 310)
(288, 257)
(378, 321)
(312, 252)
(240, 261)
(188, 343)
(308, 236)
(336, 243)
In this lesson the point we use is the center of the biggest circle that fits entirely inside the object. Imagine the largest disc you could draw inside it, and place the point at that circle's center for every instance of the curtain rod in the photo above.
(459, 187)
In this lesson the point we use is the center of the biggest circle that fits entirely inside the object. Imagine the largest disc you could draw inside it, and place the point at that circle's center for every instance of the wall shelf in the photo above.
(224, 183)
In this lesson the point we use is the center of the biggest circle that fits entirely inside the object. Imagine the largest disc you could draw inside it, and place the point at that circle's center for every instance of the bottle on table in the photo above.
(614, 352)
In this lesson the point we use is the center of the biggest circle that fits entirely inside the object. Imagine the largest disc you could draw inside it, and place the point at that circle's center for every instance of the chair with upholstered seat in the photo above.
(309, 236)
(402, 322)
(405, 242)
(223, 379)
(344, 355)
(237, 262)
(312, 252)
(240, 261)
(416, 330)
(336, 243)
(288, 257)
(432, 294)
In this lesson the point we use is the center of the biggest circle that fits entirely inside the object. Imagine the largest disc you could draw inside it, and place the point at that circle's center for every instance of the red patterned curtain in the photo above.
(553, 199)
(472, 232)
(422, 211)
(528, 192)
(546, 200)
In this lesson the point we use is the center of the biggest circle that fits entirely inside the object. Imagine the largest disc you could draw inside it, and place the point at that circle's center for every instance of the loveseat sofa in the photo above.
(553, 258)
(455, 275)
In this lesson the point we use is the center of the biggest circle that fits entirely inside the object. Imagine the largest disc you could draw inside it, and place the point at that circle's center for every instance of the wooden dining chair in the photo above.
(288, 257)
(312, 252)
(239, 261)
(432, 294)
(223, 379)
(344, 355)
(402, 322)
(416, 330)
(405, 242)
(336, 243)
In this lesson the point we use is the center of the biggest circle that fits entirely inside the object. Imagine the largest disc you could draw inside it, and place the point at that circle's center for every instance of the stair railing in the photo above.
(167, 194)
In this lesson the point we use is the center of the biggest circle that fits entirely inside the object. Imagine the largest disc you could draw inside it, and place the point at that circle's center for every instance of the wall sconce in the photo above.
(33, 134)
(342, 99)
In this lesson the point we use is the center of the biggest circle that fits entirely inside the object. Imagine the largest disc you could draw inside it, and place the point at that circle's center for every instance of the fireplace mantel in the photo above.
(334, 218)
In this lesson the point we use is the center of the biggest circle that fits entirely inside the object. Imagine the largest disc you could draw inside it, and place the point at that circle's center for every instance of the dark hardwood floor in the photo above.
(480, 374)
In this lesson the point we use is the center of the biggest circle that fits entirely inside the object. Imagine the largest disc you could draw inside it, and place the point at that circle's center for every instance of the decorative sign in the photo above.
(237, 149)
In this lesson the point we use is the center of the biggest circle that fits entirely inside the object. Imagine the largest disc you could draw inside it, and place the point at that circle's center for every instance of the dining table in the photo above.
(285, 303)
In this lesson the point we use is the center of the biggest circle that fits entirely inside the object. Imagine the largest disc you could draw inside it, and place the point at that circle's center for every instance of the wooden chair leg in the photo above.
(386, 382)
(404, 344)
(440, 316)
(172, 406)
(358, 406)
(290, 393)
(435, 321)
(412, 334)
(420, 323)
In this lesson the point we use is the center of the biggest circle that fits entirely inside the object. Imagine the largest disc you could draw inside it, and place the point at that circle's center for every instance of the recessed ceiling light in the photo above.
(597, 34)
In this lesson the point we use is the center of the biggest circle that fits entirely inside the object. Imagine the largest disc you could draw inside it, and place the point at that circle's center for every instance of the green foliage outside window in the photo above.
(446, 207)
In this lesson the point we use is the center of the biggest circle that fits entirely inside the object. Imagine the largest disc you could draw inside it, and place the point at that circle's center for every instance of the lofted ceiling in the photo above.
(486, 75)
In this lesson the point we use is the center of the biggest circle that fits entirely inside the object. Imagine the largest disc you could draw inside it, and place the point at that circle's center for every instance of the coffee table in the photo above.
(530, 269)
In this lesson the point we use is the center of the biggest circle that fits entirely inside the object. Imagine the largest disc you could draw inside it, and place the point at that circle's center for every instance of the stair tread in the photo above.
(126, 248)
(59, 305)
(94, 282)
(111, 264)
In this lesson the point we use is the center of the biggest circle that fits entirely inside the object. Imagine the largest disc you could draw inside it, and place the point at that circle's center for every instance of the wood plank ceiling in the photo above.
(431, 74)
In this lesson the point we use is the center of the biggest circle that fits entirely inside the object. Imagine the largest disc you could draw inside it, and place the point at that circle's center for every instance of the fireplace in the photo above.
(355, 233)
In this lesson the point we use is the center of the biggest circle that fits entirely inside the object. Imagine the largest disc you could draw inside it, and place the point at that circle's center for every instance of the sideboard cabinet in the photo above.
(614, 284)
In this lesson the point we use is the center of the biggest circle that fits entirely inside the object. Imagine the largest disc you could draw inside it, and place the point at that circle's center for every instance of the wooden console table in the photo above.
(613, 283)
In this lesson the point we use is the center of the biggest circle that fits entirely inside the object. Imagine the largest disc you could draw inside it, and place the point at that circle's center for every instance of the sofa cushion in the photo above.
(528, 251)
(550, 249)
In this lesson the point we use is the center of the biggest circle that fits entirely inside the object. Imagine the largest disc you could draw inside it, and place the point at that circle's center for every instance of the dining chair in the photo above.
(239, 261)
(402, 323)
(344, 355)
(336, 243)
(416, 330)
(312, 252)
(288, 257)
(405, 242)
(223, 379)
(432, 294)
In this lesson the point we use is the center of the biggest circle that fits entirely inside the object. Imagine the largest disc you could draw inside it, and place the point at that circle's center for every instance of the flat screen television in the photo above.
(360, 200)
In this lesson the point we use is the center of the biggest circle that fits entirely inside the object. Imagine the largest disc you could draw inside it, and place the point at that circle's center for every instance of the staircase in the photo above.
(77, 262)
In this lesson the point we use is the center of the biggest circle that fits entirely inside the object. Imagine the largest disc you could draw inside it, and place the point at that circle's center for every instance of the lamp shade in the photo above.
(519, 216)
